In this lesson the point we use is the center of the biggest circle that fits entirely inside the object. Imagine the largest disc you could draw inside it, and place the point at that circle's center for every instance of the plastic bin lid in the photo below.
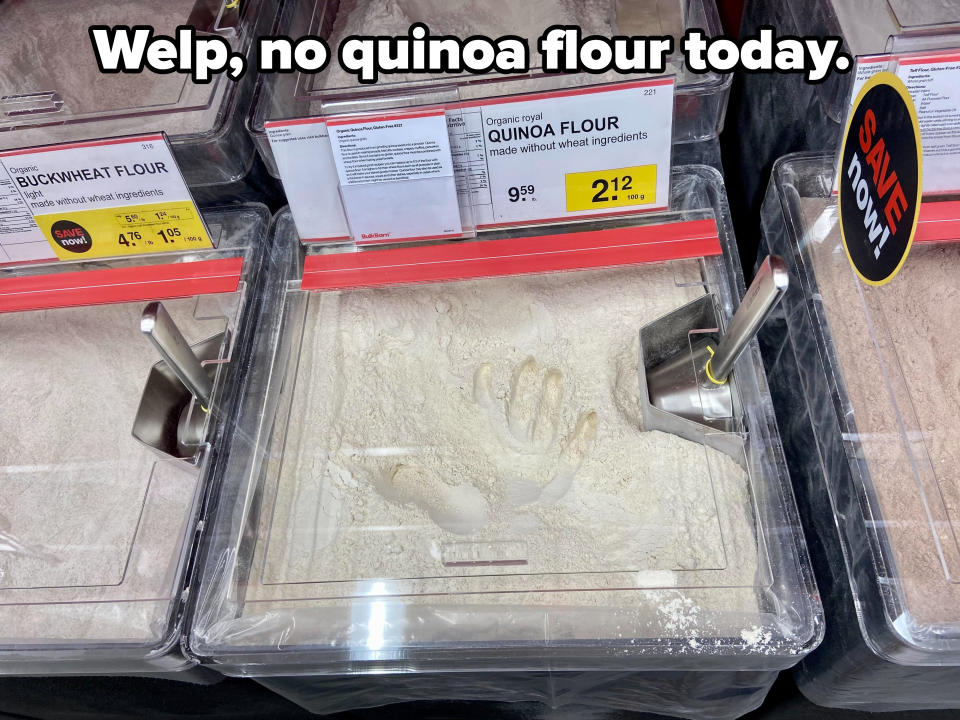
(461, 19)
(51, 88)
(95, 526)
(914, 15)
(452, 474)
(895, 380)
(866, 25)
(335, 90)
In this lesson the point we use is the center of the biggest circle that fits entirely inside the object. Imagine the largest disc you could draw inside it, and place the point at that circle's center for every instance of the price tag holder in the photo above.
(96, 199)
(396, 176)
(516, 160)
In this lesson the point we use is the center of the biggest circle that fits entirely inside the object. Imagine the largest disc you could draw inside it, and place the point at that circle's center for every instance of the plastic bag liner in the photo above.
(696, 695)
(97, 527)
(871, 658)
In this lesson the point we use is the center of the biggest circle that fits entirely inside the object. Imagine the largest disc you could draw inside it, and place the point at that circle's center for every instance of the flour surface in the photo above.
(495, 18)
(912, 325)
(495, 420)
(87, 513)
(45, 48)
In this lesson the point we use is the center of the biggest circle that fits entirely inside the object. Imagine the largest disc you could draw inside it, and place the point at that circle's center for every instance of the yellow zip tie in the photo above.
(706, 369)
(231, 5)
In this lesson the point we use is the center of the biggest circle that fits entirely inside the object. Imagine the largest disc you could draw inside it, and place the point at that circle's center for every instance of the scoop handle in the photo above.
(158, 326)
(766, 290)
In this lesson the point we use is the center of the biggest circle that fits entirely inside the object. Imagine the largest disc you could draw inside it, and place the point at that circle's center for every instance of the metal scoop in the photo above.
(167, 419)
(686, 377)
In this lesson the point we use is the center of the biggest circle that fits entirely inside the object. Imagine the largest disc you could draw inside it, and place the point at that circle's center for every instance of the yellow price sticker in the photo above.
(619, 187)
(133, 230)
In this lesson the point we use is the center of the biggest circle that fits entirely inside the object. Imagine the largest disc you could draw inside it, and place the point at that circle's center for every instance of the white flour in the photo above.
(45, 48)
(496, 420)
(463, 19)
(87, 513)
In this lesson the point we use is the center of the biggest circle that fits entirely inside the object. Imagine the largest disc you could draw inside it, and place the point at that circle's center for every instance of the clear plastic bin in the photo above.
(699, 106)
(869, 27)
(781, 114)
(97, 526)
(868, 383)
(52, 91)
(447, 483)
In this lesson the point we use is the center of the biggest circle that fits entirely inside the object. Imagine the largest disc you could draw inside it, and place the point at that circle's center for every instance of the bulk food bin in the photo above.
(52, 91)
(448, 489)
(700, 101)
(97, 525)
(782, 114)
(868, 27)
(864, 384)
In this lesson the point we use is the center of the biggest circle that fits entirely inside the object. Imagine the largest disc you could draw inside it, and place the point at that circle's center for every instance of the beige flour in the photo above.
(910, 13)
(497, 416)
(915, 320)
(88, 515)
(45, 47)
(867, 24)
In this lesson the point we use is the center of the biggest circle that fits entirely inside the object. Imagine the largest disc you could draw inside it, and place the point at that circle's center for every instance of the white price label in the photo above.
(101, 198)
(396, 176)
(933, 80)
(579, 152)
(594, 150)
(304, 157)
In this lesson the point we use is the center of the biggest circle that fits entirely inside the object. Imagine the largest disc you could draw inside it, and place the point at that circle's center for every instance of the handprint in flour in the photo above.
(459, 509)
(520, 436)
(537, 464)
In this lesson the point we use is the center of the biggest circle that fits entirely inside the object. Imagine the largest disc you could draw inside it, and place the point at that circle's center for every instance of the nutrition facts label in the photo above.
(20, 237)
(469, 157)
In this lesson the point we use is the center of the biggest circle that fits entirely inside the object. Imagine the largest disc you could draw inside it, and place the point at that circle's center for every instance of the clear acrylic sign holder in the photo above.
(395, 198)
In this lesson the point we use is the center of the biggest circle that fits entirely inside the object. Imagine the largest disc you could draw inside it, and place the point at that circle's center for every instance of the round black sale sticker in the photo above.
(881, 167)
(71, 236)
